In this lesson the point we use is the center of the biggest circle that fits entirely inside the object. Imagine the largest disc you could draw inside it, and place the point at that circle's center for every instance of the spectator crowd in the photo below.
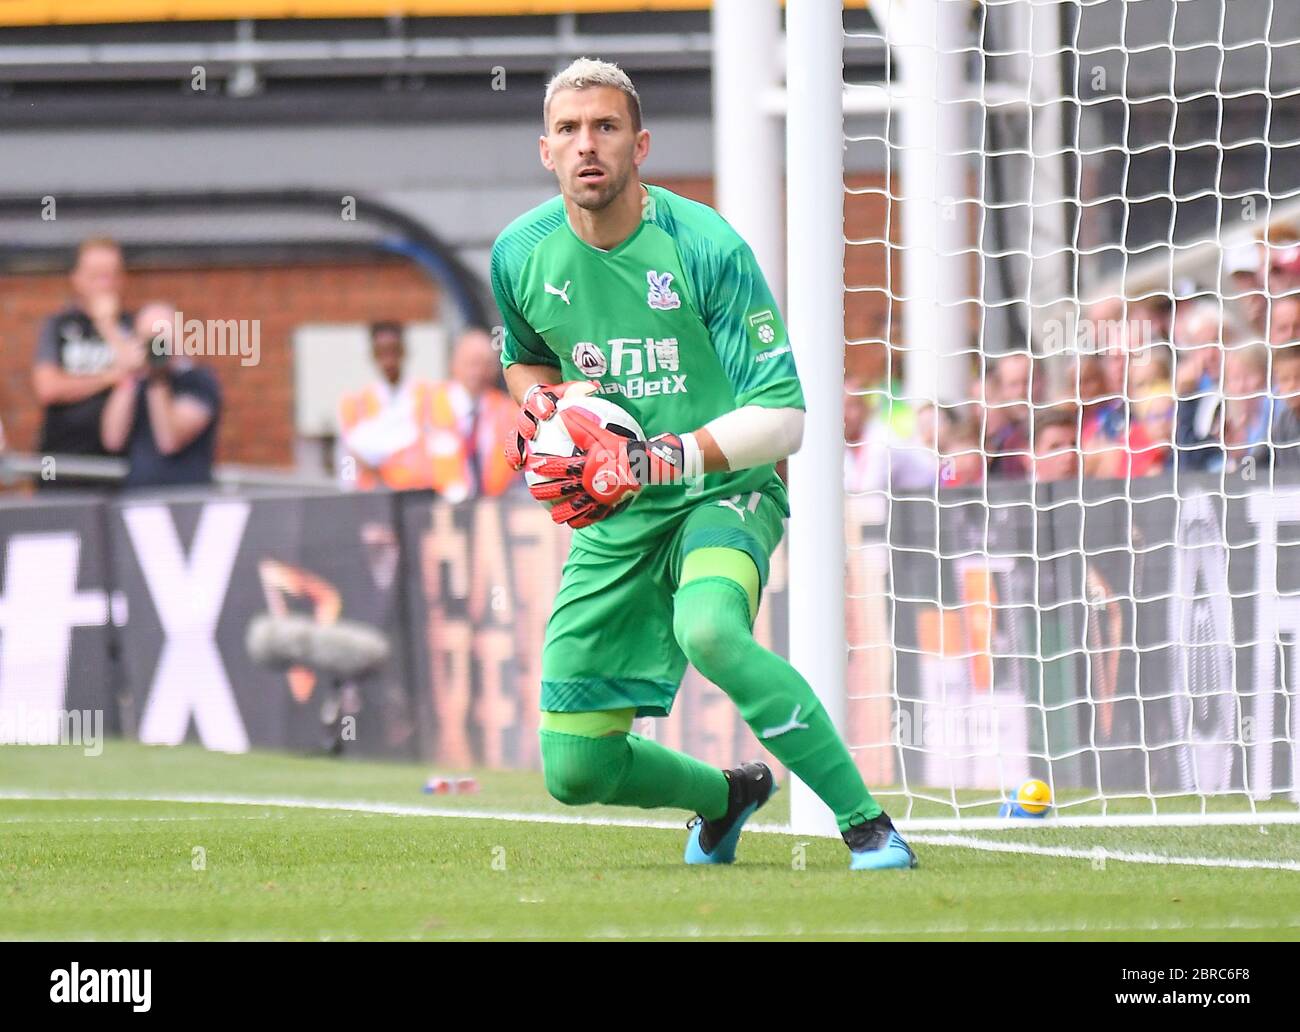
(1201, 382)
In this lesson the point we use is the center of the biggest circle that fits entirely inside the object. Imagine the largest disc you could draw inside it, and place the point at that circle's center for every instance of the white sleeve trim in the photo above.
(756, 436)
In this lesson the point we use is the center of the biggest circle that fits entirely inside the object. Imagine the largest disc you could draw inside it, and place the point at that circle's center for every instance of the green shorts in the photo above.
(609, 641)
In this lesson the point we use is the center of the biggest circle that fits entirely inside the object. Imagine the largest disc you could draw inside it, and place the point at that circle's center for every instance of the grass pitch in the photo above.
(135, 847)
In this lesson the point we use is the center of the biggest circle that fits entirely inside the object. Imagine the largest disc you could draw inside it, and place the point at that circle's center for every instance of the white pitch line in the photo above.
(1102, 853)
(1125, 820)
(354, 806)
(139, 820)
(401, 810)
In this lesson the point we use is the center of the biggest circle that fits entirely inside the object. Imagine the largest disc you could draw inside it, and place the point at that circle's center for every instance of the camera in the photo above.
(157, 352)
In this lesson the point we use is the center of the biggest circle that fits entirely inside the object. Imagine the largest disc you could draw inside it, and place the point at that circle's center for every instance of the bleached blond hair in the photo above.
(585, 74)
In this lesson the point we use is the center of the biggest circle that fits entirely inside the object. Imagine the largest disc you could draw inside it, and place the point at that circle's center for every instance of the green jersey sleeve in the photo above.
(521, 342)
(749, 334)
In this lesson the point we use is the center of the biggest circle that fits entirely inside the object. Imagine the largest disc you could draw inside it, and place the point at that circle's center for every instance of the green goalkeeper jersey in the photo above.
(677, 325)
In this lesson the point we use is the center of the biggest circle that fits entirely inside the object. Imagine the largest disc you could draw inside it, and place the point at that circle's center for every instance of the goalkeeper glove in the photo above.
(539, 405)
(614, 466)
(588, 486)
(572, 504)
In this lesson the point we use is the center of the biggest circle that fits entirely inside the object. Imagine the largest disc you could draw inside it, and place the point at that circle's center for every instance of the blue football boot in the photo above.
(714, 842)
(876, 846)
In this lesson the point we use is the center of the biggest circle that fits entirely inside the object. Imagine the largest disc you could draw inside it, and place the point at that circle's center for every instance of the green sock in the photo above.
(711, 620)
(659, 776)
(623, 769)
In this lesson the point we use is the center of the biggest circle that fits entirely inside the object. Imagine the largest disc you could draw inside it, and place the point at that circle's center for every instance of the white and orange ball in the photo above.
(553, 436)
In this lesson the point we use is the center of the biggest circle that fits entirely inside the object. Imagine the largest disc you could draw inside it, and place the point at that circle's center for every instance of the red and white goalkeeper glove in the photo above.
(611, 466)
(539, 405)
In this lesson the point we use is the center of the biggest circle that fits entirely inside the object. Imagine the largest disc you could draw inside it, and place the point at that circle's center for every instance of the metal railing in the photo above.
(16, 467)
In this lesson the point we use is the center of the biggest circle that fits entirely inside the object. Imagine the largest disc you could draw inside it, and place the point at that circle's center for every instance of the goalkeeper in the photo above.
(655, 301)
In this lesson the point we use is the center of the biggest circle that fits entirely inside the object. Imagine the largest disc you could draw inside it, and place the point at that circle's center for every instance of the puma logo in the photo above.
(792, 724)
(732, 505)
(562, 292)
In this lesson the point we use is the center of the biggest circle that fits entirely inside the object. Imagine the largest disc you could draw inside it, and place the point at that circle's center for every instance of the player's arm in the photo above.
(749, 436)
(766, 426)
(752, 435)
(537, 391)
(749, 337)
(522, 378)
(527, 359)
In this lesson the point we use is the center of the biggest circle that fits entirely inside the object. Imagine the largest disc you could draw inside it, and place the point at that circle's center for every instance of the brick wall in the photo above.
(257, 425)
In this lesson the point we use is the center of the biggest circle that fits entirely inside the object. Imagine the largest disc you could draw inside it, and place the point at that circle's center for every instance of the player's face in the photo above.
(591, 146)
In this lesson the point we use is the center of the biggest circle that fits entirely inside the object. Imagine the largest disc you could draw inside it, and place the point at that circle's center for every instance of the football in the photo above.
(553, 436)
(1032, 799)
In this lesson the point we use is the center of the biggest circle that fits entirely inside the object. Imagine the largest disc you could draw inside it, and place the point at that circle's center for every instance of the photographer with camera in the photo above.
(163, 415)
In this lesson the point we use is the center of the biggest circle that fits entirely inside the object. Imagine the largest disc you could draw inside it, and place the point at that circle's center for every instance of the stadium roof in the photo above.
(89, 12)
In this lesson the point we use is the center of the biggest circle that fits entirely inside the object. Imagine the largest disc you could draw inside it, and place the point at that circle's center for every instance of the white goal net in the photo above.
(1072, 463)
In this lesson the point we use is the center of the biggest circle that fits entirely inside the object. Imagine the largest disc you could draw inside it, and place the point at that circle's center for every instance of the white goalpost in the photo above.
(1058, 240)
(815, 221)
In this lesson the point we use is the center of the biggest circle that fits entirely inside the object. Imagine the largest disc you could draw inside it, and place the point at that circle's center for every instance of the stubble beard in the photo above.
(603, 197)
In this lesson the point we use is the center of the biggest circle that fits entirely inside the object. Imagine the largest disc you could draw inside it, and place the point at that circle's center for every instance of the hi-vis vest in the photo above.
(439, 458)
(449, 451)
(407, 469)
